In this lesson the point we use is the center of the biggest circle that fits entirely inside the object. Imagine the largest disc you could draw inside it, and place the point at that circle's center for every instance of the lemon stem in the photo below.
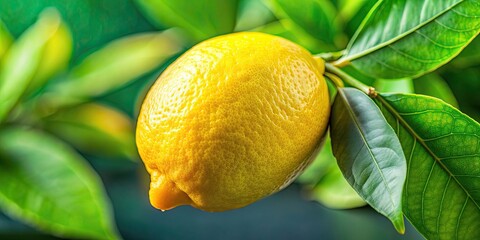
(370, 91)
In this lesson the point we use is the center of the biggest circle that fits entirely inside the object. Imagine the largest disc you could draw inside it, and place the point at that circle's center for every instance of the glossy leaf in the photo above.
(410, 38)
(433, 85)
(315, 17)
(48, 185)
(402, 85)
(95, 129)
(18, 67)
(201, 18)
(442, 190)
(368, 153)
(111, 67)
(5, 39)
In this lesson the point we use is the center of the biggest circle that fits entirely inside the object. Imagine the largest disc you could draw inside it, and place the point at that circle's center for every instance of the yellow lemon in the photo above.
(234, 119)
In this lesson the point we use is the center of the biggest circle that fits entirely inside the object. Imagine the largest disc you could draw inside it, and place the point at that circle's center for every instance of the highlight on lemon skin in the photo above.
(231, 121)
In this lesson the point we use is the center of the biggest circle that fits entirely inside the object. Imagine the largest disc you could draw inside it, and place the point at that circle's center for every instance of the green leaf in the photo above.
(95, 129)
(402, 85)
(201, 18)
(335, 192)
(441, 195)
(19, 65)
(368, 153)
(118, 63)
(48, 185)
(409, 38)
(433, 85)
(5, 39)
(315, 17)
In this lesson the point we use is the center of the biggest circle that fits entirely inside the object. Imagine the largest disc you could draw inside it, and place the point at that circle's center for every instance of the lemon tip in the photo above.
(165, 195)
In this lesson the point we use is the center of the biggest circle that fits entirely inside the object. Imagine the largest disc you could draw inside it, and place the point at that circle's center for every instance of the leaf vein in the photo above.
(455, 29)
(415, 135)
(441, 204)
(449, 135)
(460, 217)
(425, 190)
(464, 15)
(440, 45)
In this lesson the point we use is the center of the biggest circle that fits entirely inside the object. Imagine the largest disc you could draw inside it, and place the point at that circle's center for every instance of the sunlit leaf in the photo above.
(409, 38)
(368, 153)
(5, 39)
(95, 129)
(48, 185)
(22, 60)
(402, 85)
(433, 85)
(111, 67)
(201, 18)
(442, 190)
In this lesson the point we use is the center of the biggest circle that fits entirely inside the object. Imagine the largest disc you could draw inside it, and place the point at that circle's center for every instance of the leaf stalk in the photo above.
(370, 91)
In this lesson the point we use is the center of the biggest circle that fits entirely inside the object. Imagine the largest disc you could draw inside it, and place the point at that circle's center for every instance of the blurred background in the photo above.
(73, 74)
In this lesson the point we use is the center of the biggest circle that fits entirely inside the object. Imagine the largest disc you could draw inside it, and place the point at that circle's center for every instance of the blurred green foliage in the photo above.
(42, 98)
(54, 62)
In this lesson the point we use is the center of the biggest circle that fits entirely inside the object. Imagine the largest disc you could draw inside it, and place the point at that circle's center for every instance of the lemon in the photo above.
(234, 119)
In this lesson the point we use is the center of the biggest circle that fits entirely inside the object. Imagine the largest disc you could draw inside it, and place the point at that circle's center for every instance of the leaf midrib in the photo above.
(352, 115)
(350, 58)
(420, 140)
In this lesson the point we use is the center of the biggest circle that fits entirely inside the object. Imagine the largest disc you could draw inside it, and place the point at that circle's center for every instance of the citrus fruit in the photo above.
(232, 120)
